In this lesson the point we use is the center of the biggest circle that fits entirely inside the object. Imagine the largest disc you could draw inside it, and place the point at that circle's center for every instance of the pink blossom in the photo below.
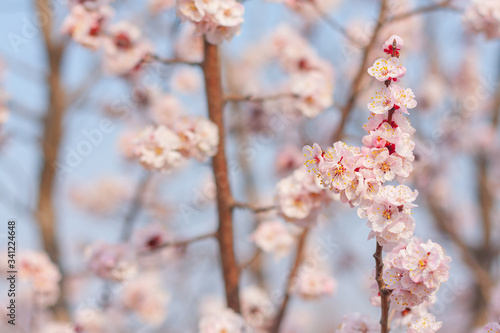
(386, 166)
(273, 237)
(424, 324)
(217, 20)
(4, 109)
(400, 196)
(158, 6)
(314, 92)
(199, 137)
(189, 10)
(124, 48)
(357, 323)
(295, 54)
(229, 13)
(483, 16)
(90, 320)
(110, 261)
(225, 320)
(311, 284)
(495, 302)
(189, 46)
(491, 328)
(158, 148)
(388, 46)
(382, 102)
(384, 70)
(288, 159)
(218, 34)
(165, 108)
(404, 98)
(426, 263)
(150, 238)
(102, 197)
(146, 297)
(42, 275)
(87, 27)
(414, 272)
(186, 80)
(257, 308)
(299, 195)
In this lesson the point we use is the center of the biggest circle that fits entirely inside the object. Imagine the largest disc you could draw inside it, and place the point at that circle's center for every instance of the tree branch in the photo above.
(250, 98)
(332, 23)
(291, 277)
(356, 84)
(51, 140)
(173, 61)
(215, 101)
(382, 288)
(253, 208)
(135, 207)
(426, 9)
(182, 242)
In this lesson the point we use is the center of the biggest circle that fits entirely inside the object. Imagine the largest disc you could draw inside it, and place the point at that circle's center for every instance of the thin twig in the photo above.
(426, 9)
(332, 23)
(23, 111)
(253, 208)
(382, 287)
(172, 61)
(356, 83)
(291, 277)
(258, 99)
(182, 242)
(443, 222)
(135, 208)
(252, 259)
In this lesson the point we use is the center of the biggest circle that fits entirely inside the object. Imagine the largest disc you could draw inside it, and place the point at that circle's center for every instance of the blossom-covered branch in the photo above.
(412, 270)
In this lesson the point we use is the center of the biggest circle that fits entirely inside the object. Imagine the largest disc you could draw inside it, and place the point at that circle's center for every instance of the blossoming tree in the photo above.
(197, 125)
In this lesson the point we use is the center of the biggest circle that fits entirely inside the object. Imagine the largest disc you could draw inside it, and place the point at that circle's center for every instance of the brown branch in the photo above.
(252, 259)
(482, 277)
(173, 61)
(253, 208)
(215, 101)
(23, 111)
(332, 23)
(426, 9)
(135, 207)
(182, 243)
(382, 288)
(86, 85)
(291, 277)
(51, 140)
(250, 98)
(356, 84)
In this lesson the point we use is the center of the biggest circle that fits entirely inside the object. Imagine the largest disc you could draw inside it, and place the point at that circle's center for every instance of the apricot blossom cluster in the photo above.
(357, 175)
(166, 148)
(88, 24)
(311, 77)
(217, 20)
(413, 271)
(483, 16)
